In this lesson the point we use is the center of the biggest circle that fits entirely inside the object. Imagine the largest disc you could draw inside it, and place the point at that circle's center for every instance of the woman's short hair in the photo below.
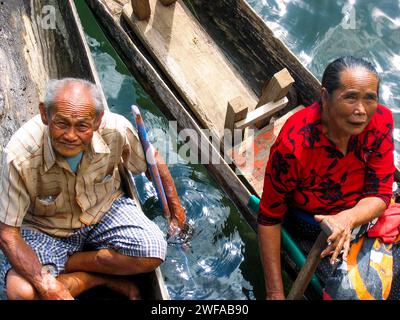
(331, 77)
(55, 85)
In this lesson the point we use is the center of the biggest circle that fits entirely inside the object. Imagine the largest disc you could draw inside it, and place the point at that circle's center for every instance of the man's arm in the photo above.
(174, 203)
(270, 245)
(26, 264)
(134, 158)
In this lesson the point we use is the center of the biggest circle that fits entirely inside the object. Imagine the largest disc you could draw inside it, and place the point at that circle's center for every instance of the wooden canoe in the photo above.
(243, 44)
(36, 47)
(196, 56)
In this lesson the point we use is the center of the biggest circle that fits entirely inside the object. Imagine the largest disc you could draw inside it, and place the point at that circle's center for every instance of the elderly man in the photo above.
(60, 191)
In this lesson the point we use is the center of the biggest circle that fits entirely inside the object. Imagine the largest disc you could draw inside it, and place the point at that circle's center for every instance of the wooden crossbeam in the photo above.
(141, 9)
(167, 2)
(262, 112)
(274, 90)
(235, 112)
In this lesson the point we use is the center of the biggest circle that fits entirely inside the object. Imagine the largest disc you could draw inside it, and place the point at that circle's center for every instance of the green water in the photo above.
(222, 260)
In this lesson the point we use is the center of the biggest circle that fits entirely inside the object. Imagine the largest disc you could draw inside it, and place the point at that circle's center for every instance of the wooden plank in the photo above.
(262, 112)
(236, 111)
(141, 9)
(239, 30)
(275, 89)
(311, 264)
(191, 60)
(167, 2)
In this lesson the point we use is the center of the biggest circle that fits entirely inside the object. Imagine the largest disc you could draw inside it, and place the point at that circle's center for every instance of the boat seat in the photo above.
(251, 156)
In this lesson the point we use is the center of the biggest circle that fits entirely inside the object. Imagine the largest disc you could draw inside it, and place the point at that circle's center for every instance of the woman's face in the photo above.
(350, 107)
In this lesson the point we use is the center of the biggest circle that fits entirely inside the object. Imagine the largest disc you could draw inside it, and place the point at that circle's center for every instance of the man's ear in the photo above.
(97, 121)
(43, 114)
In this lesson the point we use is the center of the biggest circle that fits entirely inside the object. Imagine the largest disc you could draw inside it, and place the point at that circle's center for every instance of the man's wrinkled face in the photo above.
(72, 120)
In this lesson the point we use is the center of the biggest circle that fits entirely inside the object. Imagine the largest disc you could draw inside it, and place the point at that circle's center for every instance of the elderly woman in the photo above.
(333, 161)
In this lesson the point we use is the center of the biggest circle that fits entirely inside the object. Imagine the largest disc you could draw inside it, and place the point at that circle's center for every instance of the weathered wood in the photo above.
(274, 90)
(311, 264)
(236, 111)
(167, 2)
(141, 9)
(252, 46)
(192, 61)
(251, 155)
(261, 113)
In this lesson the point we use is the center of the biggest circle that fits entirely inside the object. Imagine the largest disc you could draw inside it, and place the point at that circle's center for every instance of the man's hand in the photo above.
(52, 289)
(338, 242)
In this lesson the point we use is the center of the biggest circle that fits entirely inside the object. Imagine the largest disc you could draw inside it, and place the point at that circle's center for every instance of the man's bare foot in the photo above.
(123, 286)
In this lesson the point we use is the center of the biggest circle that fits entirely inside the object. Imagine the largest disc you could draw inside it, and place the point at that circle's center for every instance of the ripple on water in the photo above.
(207, 269)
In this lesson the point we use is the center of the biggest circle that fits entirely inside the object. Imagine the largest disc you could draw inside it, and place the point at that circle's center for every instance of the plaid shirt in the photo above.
(39, 189)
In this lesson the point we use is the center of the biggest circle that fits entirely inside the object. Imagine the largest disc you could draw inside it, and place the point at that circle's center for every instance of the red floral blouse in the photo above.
(306, 171)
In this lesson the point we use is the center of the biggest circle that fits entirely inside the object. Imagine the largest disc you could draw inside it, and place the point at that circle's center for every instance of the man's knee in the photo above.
(17, 288)
(149, 264)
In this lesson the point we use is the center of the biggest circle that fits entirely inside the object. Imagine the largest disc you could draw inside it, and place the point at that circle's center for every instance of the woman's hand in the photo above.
(341, 225)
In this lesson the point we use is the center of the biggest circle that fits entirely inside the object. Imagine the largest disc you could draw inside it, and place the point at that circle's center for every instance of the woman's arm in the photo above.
(270, 245)
(366, 210)
(377, 187)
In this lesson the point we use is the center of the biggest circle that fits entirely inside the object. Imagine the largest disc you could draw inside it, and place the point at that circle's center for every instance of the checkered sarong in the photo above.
(124, 228)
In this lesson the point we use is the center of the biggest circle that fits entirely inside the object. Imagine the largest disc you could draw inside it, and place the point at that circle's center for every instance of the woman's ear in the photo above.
(43, 113)
(324, 96)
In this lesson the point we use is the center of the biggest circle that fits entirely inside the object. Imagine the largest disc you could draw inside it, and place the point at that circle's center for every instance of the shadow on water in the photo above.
(221, 260)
